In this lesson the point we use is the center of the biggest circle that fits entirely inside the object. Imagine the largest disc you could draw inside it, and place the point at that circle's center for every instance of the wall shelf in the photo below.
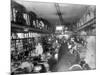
(87, 24)
(21, 28)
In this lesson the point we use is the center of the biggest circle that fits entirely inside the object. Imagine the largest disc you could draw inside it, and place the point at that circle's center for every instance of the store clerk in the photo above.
(39, 49)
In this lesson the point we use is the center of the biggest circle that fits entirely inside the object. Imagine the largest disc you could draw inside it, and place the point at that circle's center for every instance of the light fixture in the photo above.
(26, 29)
(59, 28)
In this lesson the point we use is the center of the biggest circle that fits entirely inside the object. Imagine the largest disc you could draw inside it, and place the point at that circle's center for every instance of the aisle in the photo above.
(66, 59)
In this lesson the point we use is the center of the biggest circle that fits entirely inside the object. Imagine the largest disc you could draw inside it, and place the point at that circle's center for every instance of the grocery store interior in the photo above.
(52, 37)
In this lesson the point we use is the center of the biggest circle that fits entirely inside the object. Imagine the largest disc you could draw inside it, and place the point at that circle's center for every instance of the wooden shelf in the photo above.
(87, 24)
(21, 28)
(22, 38)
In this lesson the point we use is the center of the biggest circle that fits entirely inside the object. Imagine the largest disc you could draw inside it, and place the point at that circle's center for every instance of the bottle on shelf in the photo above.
(14, 11)
(20, 19)
(26, 18)
(32, 17)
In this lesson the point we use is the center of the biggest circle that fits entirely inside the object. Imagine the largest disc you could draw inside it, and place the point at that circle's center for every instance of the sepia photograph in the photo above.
(48, 37)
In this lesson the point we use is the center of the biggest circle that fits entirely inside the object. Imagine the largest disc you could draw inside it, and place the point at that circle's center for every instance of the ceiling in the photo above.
(70, 13)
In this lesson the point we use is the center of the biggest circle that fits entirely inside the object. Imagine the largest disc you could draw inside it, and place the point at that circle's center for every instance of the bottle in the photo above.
(14, 14)
(32, 17)
(34, 23)
(37, 24)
